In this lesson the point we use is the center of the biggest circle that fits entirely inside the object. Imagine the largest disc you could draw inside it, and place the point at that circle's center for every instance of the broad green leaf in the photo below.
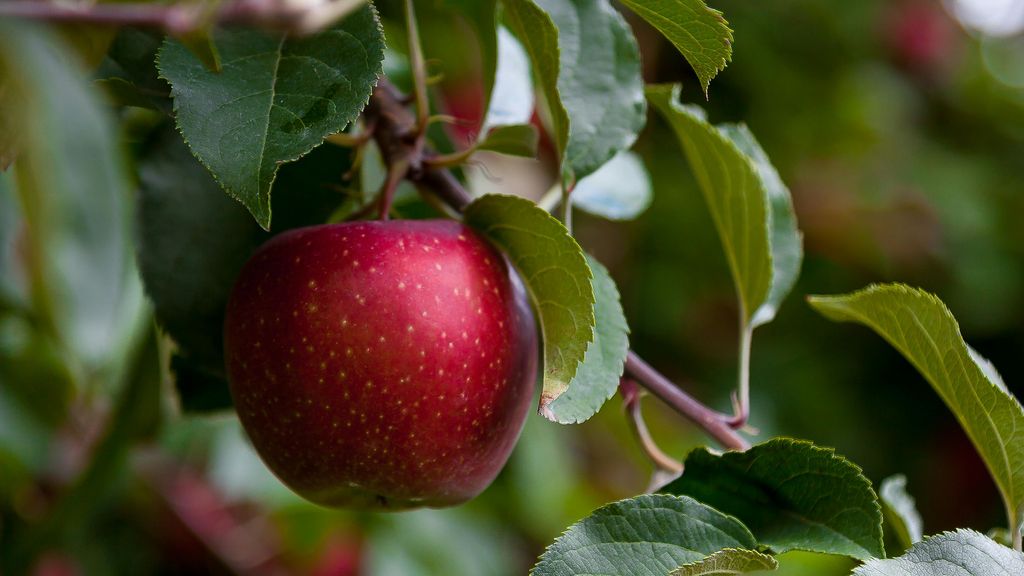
(556, 274)
(193, 241)
(701, 34)
(619, 190)
(74, 199)
(274, 101)
(792, 495)
(786, 242)
(960, 553)
(516, 140)
(648, 535)
(921, 327)
(900, 510)
(728, 561)
(588, 65)
(538, 35)
(512, 100)
(749, 204)
(598, 376)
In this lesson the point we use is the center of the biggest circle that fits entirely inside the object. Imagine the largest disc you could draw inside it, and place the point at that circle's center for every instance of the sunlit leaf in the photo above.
(960, 553)
(700, 33)
(598, 376)
(729, 561)
(749, 204)
(648, 535)
(556, 274)
(921, 327)
(588, 65)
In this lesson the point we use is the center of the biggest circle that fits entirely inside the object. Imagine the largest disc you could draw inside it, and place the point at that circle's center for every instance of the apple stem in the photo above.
(418, 67)
(388, 112)
(396, 173)
(741, 397)
(631, 399)
(709, 420)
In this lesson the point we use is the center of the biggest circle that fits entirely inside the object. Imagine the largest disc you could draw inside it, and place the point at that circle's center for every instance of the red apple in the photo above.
(381, 364)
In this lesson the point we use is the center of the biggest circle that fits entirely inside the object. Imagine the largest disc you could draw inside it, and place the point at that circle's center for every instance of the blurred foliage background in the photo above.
(898, 126)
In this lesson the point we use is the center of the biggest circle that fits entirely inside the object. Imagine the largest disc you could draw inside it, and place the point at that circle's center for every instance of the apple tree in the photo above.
(299, 213)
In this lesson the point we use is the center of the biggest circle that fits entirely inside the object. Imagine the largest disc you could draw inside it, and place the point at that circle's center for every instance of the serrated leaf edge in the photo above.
(943, 534)
(820, 303)
(593, 341)
(264, 223)
(860, 477)
(771, 561)
(623, 501)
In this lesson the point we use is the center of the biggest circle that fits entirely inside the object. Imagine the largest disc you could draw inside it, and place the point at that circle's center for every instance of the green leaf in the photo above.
(598, 376)
(728, 561)
(516, 140)
(619, 190)
(749, 204)
(74, 198)
(538, 35)
(274, 101)
(648, 535)
(556, 275)
(792, 494)
(129, 71)
(783, 236)
(192, 242)
(203, 46)
(960, 553)
(701, 34)
(900, 510)
(588, 65)
(921, 327)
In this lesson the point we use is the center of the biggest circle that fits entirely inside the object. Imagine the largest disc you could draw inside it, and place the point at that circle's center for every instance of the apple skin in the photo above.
(382, 365)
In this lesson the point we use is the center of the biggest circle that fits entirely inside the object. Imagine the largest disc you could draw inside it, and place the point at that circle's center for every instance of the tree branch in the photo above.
(182, 18)
(708, 419)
